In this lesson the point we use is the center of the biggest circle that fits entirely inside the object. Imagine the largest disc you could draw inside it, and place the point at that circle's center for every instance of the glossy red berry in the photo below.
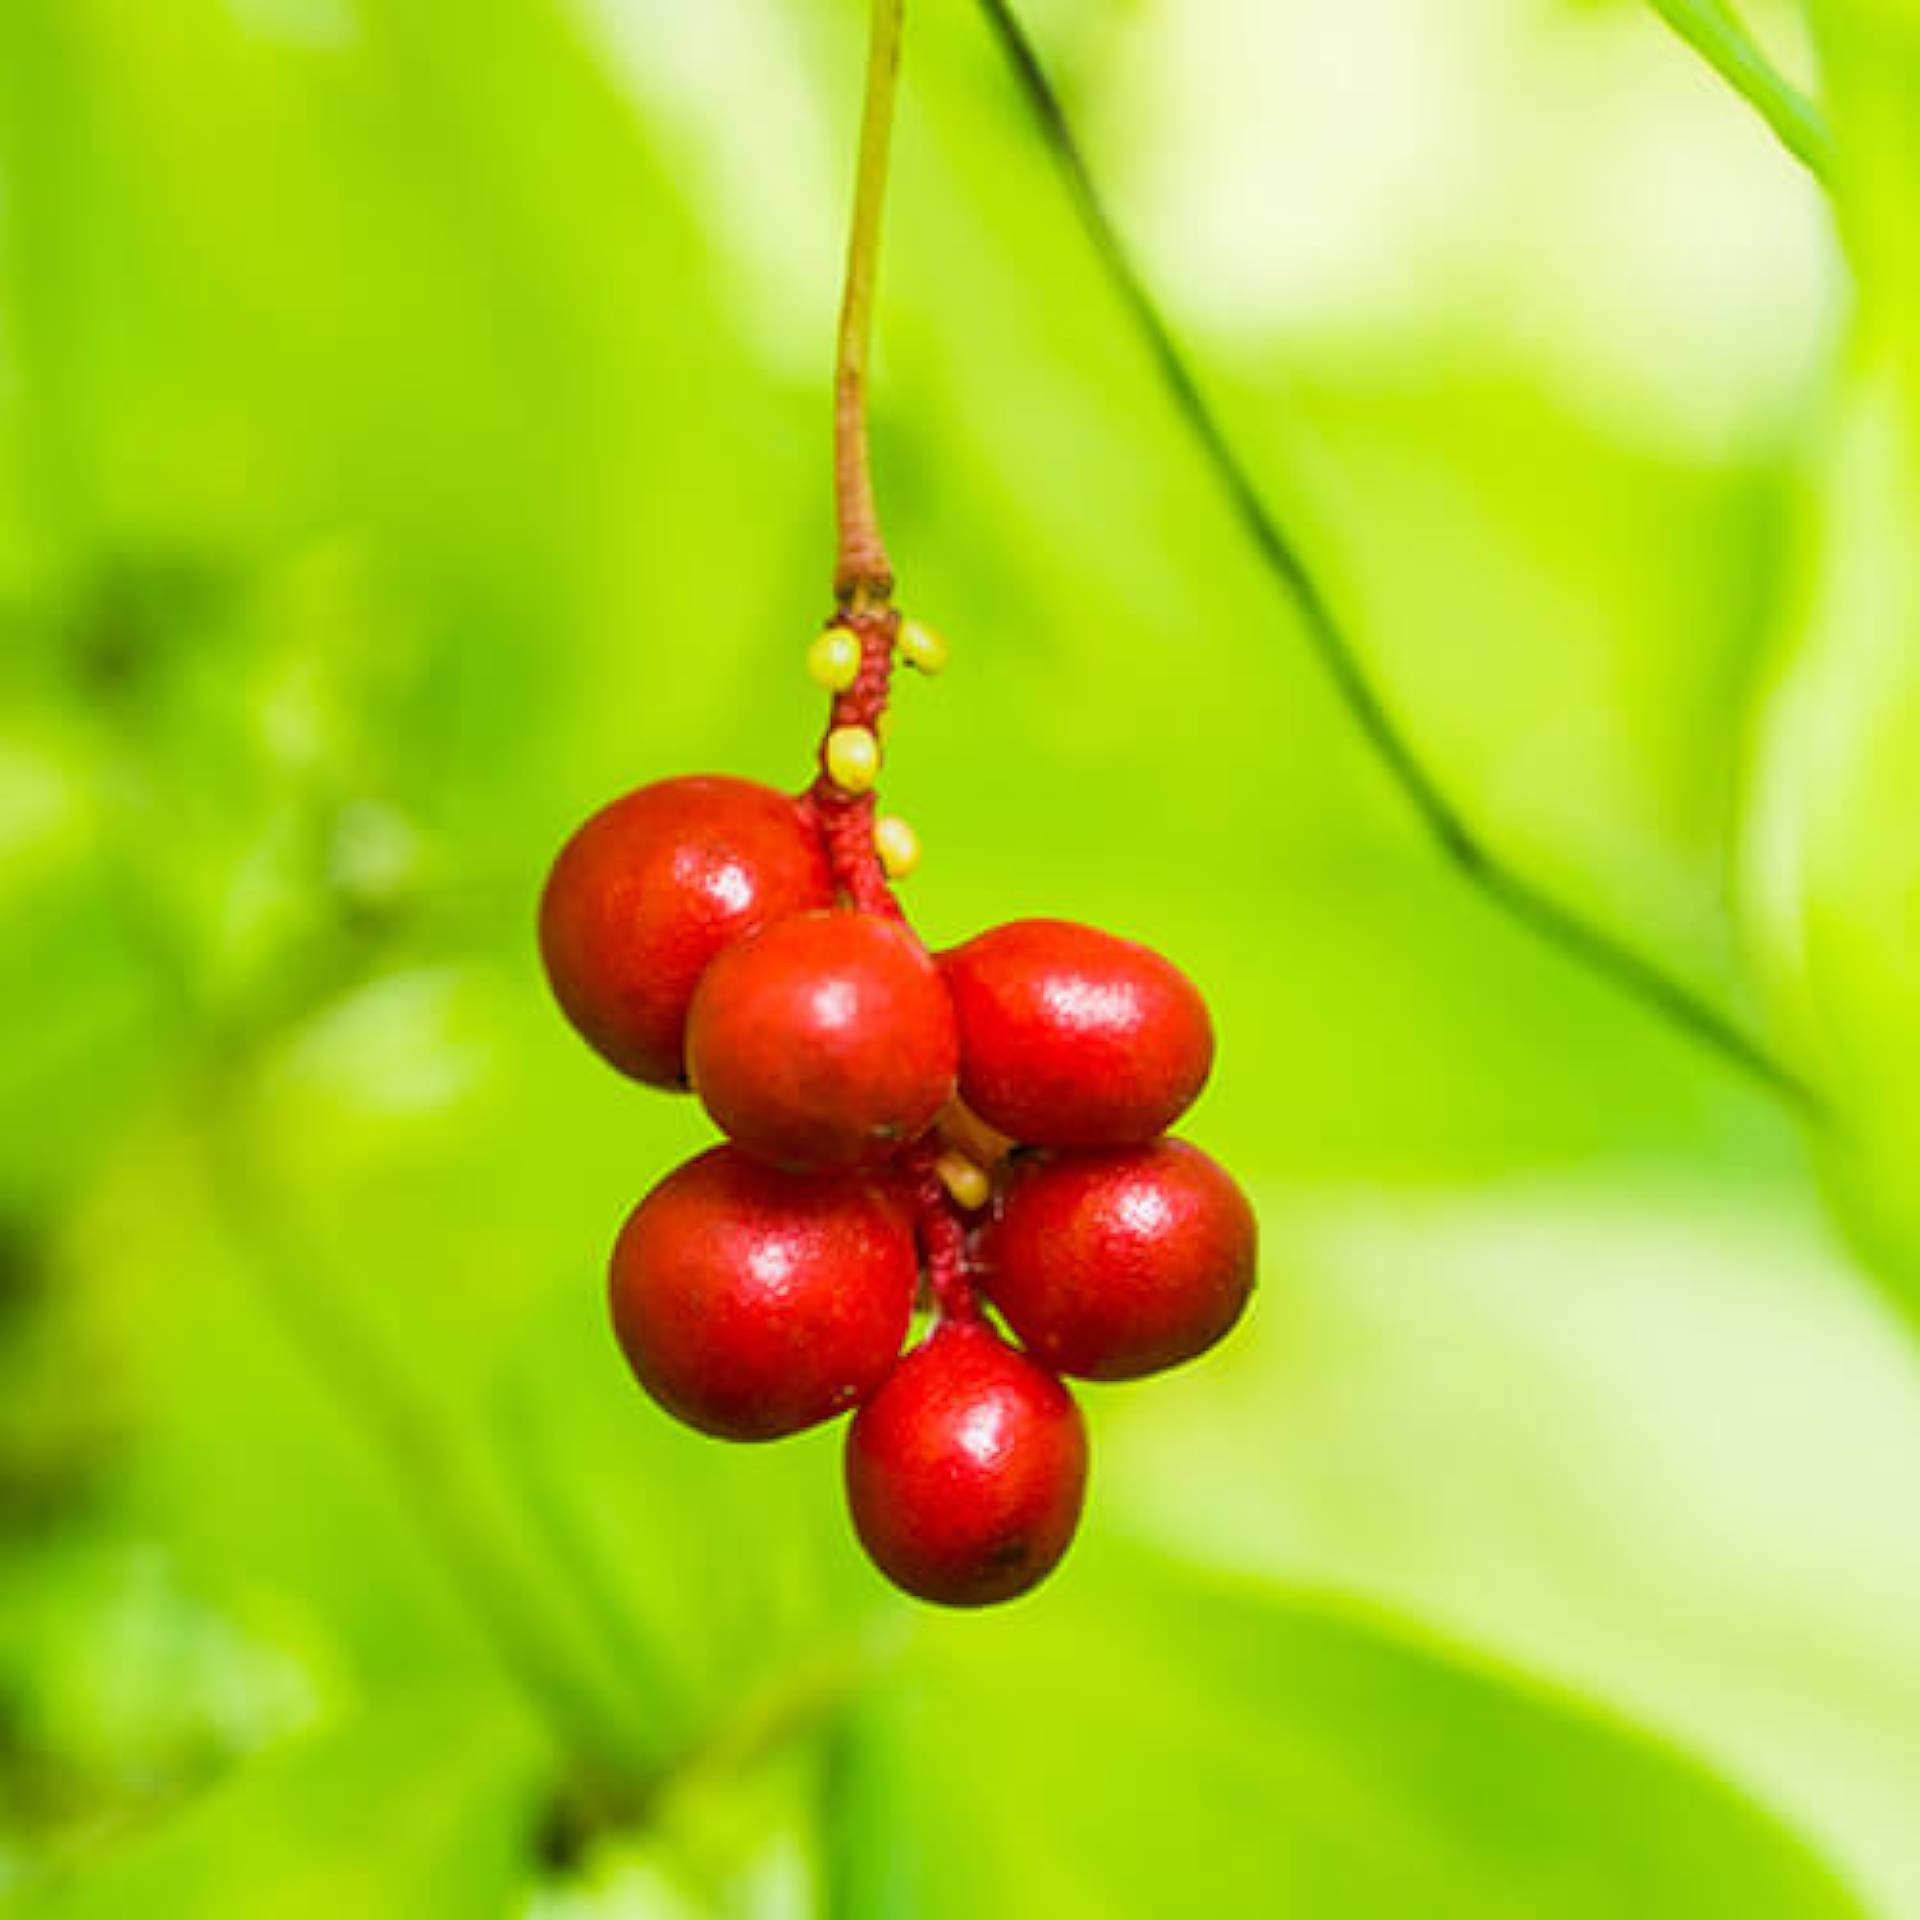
(650, 889)
(752, 1303)
(967, 1470)
(824, 1040)
(1070, 1037)
(1119, 1262)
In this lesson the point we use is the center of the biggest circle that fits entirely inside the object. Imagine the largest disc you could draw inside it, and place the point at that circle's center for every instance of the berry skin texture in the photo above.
(826, 1040)
(966, 1472)
(1120, 1262)
(753, 1303)
(650, 889)
(1070, 1037)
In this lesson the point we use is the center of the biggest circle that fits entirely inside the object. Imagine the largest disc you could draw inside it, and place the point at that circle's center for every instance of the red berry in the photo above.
(966, 1471)
(1070, 1037)
(650, 889)
(1117, 1263)
(824, 1040)
(752, 1303)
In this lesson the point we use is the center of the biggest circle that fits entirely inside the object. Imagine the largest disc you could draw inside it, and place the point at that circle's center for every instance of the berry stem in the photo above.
(863, 590)
(863, 575)
(943, 1243)
(845, 819)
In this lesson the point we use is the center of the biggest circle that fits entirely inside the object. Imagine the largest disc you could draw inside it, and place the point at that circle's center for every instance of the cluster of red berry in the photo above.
(986, 1124)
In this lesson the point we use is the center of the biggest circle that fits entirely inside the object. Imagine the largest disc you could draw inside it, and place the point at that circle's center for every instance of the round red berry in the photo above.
(967, 1470)
(1070, 1037)
(650, 889)
(1119, 1262)
(752, 1303)
(824, 1040)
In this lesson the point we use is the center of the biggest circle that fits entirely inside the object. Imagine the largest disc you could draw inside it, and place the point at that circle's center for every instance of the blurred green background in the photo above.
(413, 432)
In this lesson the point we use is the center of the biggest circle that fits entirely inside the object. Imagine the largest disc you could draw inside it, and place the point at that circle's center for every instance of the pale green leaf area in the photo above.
(1676, 1501)
(413, 431)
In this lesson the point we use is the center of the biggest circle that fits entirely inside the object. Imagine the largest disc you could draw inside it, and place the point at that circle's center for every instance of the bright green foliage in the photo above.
(412, 432)
(1836, 857)
(1290, 1755)
(1714, 30)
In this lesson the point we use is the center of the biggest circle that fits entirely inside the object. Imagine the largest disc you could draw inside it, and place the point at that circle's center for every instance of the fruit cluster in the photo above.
(984, 1129)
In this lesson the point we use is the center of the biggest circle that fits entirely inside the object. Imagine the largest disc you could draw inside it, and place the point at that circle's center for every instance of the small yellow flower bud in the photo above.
(853, 759)
(921, 647)
(834, 659)
(969, 1183)
(897, 845)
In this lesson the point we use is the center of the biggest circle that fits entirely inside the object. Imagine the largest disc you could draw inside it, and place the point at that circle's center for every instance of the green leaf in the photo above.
(409, 1813)
(1644, 1441)
(1146, 1741)
(1714, 32)
(1834, 849)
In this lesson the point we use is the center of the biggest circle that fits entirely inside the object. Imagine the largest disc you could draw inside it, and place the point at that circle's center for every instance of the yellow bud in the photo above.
(969, 1183)
(853, 759)
(921, 647)
(834, 659)
(897, 845)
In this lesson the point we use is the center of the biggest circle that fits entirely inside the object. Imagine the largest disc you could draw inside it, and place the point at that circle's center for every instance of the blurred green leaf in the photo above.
(1716, 33)
(1698, 1403)
(1835, 849)
(412, 1812)
(1152, 1742)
